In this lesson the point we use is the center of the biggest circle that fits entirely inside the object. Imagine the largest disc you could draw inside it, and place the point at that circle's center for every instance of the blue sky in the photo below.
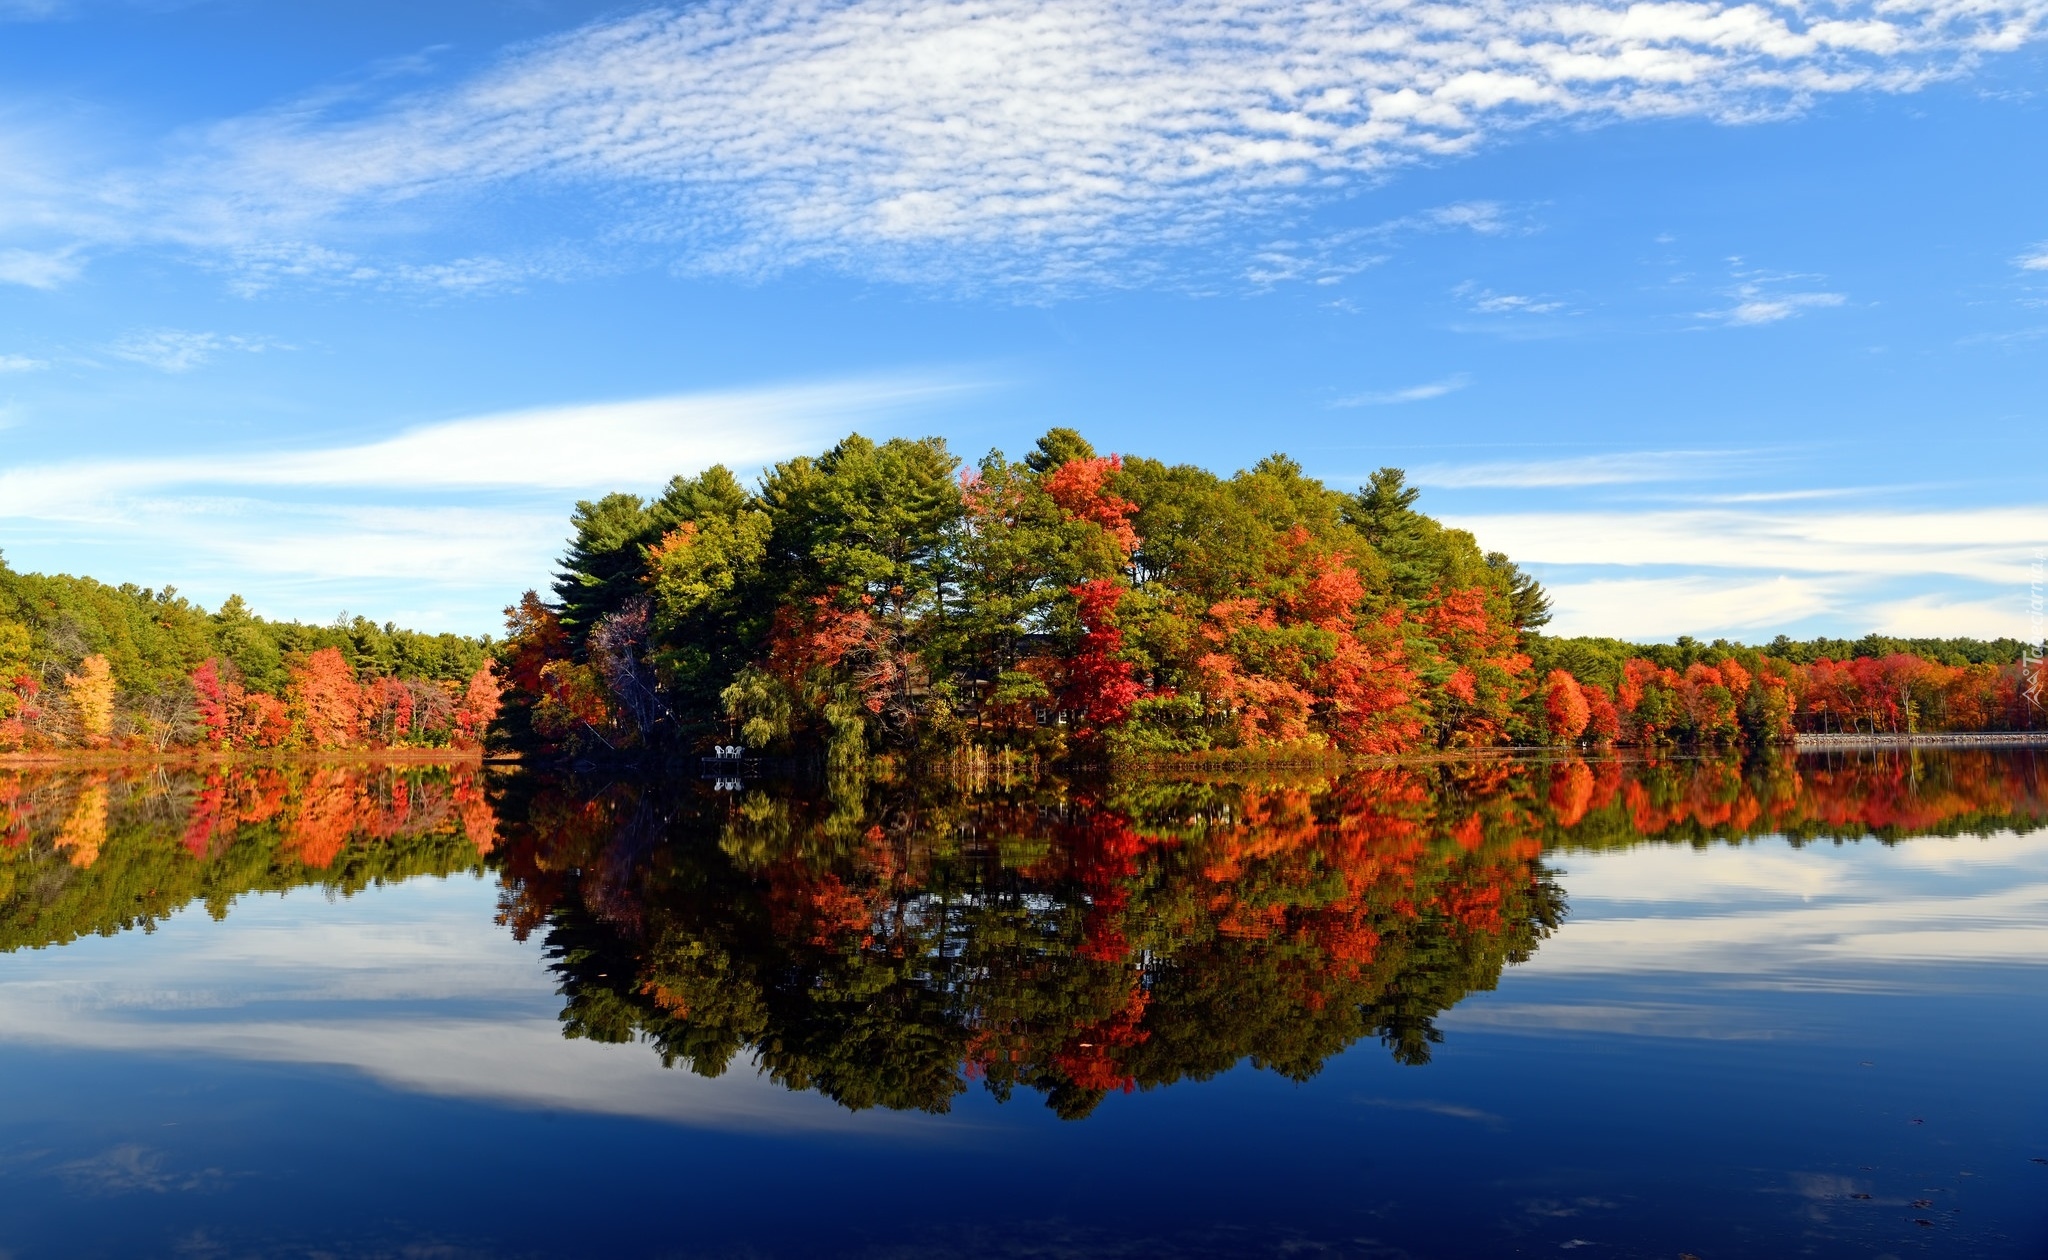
(1723, 318)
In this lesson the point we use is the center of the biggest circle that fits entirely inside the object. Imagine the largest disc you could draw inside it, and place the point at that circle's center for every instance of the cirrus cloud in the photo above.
(1018, 139)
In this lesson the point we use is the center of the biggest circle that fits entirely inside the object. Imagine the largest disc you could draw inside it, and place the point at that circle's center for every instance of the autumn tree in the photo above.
(326, 703)
(91, 694)
(1566, 711)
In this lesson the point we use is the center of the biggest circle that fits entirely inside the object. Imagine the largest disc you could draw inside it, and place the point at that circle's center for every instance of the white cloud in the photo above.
(1645, 609)
(1620, 468)
(1737, 571)
(1484, 301)
(1948, 616)
(1769, 310)
(1041, 140)
(21, 363)
(1762, 297)
(2035, 261)
(1513, 304)
(1990, 545)
(1413, 393)
(39, 269)
(590, 446)
(1333, 257)
(466, 510)
(172, 350)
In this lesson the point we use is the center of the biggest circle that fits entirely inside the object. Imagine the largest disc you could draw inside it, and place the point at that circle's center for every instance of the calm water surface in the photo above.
(1795, 1006)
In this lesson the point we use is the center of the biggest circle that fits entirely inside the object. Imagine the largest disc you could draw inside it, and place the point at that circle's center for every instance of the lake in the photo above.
(1793, 1005)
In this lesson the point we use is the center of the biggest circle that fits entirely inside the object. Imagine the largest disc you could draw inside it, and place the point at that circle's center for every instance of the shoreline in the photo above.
(1941, 739)
(1277, 760)
(110, 758)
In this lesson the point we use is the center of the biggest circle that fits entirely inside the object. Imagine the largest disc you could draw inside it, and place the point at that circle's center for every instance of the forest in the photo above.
(882, 596)
(84, 665)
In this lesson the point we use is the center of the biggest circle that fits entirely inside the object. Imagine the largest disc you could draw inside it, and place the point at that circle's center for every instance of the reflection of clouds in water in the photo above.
(2006, 927)
(338, 979)
(1627, 1019)
(1703, 927)
(1724, 909)
(1775, 870)
(1453, 1110)
(130, 1169)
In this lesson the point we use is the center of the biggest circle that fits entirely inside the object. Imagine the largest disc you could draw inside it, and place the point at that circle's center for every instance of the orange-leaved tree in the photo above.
(481, 701)
(1566, 713)
(326, 703)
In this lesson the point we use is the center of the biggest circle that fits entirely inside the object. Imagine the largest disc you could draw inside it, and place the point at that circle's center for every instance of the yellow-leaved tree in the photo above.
(92, 699)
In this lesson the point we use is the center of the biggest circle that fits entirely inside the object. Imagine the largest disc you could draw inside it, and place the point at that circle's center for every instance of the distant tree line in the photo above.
(87, 665)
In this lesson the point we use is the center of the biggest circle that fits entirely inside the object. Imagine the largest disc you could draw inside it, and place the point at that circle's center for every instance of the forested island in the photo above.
(884, 599)
(881, 596)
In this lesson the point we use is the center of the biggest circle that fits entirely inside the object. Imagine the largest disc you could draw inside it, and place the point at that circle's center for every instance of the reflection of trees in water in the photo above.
(99, 851)
(1841, 796)
(1070, 941)
(888, 943)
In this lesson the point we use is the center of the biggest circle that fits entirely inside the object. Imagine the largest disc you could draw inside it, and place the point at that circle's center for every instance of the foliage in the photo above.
(877, 597)
(83, 664)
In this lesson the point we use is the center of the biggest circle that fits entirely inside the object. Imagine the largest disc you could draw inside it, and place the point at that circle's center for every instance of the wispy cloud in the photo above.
(579, 447)
(1769, 310)
(1334, 256)
(1655, 574)
(1013, 139)
(471, 507)
(1455, 1111)
(173, 350)
(1646, 608)
(1412, 394)
(1762, 297)
(1990, 544)
(1937, 616)
(39, 269)
(2034, 260)
(21, 363)
(1484, 301)
(1621, 468)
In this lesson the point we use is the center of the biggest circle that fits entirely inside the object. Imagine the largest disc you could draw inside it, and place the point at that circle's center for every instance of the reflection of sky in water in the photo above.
(1717, 1053)
(410, 983)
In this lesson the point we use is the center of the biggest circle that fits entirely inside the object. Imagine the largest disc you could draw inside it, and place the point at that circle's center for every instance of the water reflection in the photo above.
(891, 943)
(85, 852)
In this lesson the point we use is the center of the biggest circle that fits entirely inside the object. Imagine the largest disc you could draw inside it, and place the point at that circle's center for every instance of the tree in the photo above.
(1565, 709)
(481, 700)
(601, 570)
(1058, 448)
(326, 703)
(1099, 687)
(1526, 596)
(91, 693)
(218, 700)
